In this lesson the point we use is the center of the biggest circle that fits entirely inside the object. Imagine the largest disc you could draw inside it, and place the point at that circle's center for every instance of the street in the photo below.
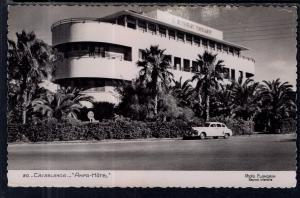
(256, 152)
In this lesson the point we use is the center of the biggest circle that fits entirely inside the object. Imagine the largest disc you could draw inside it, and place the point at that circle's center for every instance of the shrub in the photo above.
(107, 129)
(238, 126)
(288, 126)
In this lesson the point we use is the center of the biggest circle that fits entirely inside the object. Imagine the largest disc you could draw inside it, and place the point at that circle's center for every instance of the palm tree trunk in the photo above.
(207, 108)
(155, 104)
(24, 112)
(24, 109)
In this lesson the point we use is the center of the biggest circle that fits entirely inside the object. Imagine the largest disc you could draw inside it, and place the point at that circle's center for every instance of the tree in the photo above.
(135, 100)
(278, 104)
(30, 60)
(222, 101)
(154, 73)
(65, 102)
(246, 99)
(208, 74)
(183, 92)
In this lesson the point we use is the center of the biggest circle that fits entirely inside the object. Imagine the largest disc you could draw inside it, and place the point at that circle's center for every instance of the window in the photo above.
(212, 44)
(84, 47)
(236, 51)
(249, 75)
(180, 36)
(186, 65)
(92, 50)
(223, 125)
(204, 42)
(232, 74)
(142, 25)
(177, 63)
(121, 21)
(226, 72)
(131, 22)
(213, 125)
(152, 28)
(218, 46)
(225, 48)
(76, 47)
(194, 66)
(241, 74)
(219, 125)
(171, 34)
(189, 38)
(141, 54)
(162, 31)
(197, 40)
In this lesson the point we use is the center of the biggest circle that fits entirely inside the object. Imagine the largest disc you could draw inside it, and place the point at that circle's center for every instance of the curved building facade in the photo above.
(101, 52)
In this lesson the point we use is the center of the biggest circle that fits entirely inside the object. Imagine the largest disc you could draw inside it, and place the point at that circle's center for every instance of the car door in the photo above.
(219, 131)
(213, 130)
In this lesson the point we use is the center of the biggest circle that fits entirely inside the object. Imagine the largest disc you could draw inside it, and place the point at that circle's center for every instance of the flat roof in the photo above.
(153, 20)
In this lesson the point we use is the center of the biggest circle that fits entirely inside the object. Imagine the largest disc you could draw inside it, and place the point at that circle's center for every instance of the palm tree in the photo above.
(29, 62)
(135, 100)
(65, 102)
(222, 101)
(183, 92)
(277, 98)
(246, 98)
(208, 74)
(154, 73)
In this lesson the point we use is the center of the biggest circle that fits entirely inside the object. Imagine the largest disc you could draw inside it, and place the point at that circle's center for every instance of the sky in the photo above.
(269, 32)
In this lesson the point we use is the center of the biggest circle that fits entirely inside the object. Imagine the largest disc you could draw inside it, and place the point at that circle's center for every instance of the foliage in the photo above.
(136, 101)
(107, 129)
(278, 103)
(222, 101)
(101, 110)
(154, 72)
(246, 99)
(29, 62)
(183, 92)
(238, 126)
(65, 102)
(208, 74)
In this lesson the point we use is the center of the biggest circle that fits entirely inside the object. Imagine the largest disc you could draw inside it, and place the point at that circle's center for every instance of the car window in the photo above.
(213, 125)
(218, 125)
(223, 125)
(206, 125)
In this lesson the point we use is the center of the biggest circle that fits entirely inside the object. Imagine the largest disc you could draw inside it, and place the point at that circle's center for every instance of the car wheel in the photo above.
(202, 136)
(226, 136)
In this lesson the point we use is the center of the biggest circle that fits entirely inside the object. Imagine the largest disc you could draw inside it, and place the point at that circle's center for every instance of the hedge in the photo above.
(115, 129)
(107, 129)
(238, 126)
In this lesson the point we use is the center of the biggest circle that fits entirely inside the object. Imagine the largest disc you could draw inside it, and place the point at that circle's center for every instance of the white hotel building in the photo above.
(99, 52)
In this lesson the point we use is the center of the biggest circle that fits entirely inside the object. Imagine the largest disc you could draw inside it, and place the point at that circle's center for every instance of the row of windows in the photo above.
(191, 65)
(95, 49)
(164, 31)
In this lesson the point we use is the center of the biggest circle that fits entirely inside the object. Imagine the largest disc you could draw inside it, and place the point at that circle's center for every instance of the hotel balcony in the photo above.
(95, 67)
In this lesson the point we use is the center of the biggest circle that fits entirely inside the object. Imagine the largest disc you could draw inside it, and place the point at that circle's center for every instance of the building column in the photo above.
(125, 20)
(136, 23)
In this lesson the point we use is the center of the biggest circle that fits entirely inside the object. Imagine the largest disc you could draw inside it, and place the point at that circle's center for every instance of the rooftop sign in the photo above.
(185, 24)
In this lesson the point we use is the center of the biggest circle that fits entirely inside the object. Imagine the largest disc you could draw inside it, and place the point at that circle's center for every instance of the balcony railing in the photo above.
(75, 20)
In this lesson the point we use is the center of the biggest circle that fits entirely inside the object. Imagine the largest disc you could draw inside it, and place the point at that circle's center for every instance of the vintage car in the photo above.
(212, 129)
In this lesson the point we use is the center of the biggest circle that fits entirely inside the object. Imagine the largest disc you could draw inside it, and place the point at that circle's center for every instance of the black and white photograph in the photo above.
(152, 96)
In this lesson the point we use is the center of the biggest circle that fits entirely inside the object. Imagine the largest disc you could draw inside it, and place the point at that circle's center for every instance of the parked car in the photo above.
(212, 129)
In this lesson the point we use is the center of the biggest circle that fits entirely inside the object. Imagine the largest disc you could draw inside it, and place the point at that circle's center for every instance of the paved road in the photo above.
(257, 152)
